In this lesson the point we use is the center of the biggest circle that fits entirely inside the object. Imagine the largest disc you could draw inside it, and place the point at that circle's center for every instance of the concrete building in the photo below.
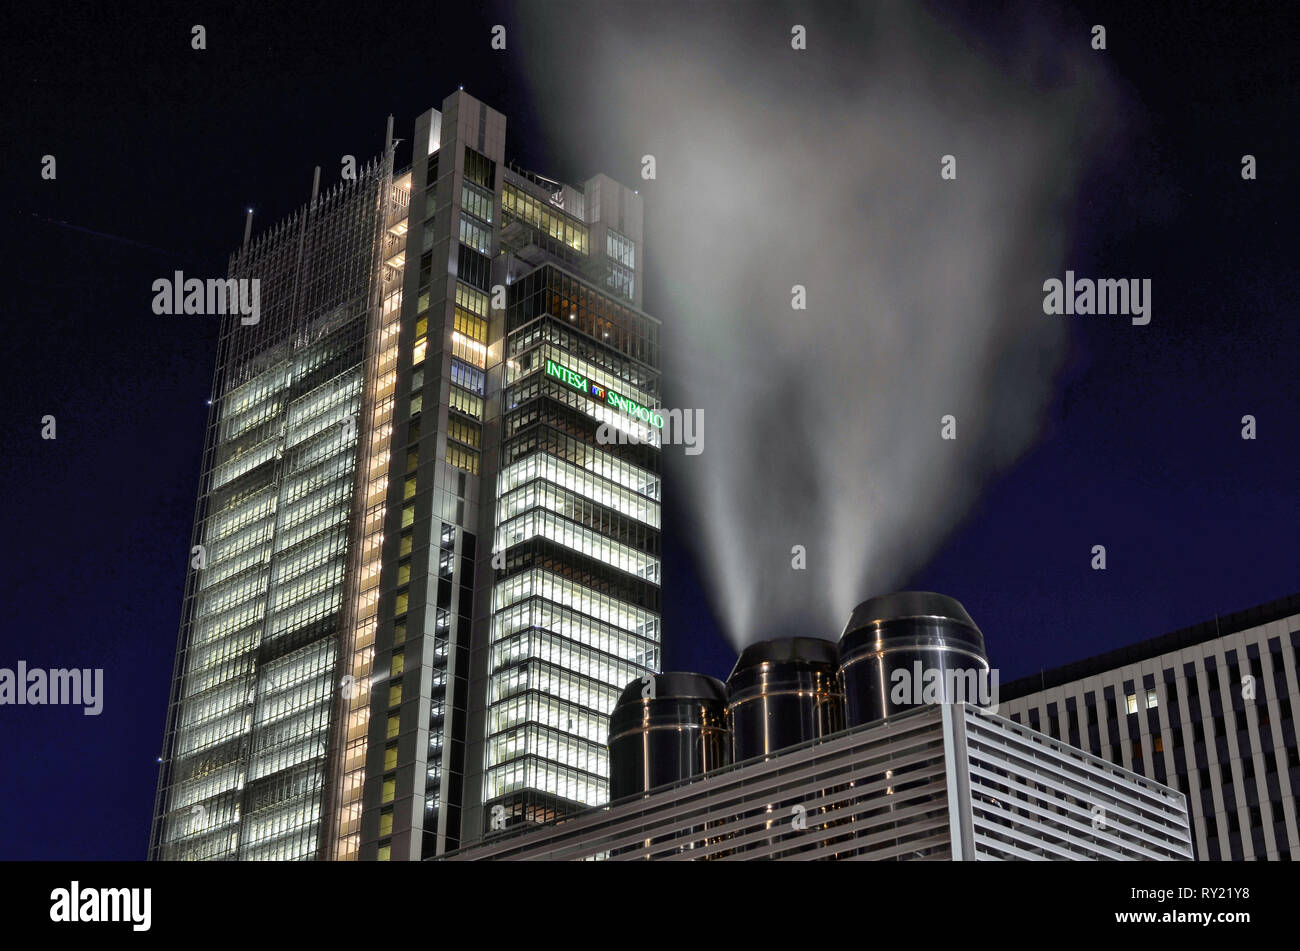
(1208, 710)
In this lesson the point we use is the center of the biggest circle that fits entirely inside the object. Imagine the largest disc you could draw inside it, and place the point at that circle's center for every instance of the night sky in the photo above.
(160, 149)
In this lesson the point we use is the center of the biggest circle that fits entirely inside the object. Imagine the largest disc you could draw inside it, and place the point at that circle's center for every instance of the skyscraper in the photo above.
(427, 536)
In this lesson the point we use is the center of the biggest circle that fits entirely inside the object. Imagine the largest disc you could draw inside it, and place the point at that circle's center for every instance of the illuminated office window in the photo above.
(466, 403)
(472, 299)
(467, 376)
(476, 328)
(474, 235)
(477, 201)
(464, 432)
(462, 458)
(622, 249)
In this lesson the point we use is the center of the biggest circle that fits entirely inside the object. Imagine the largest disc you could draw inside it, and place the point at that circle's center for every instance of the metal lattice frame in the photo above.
(245, 762)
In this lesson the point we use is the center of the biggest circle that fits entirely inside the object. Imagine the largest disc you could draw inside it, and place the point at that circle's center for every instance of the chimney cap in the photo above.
(786, 650)
(677, 685)
(909, 604)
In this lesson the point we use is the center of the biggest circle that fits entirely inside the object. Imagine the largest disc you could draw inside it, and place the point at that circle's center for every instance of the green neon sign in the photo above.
(580, 383)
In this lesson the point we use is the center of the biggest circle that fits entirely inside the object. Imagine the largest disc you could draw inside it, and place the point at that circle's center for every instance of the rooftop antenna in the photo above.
(315, 185)
(248, 226)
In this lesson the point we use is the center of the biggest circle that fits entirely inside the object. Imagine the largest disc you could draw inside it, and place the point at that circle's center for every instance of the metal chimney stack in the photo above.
(909, 631)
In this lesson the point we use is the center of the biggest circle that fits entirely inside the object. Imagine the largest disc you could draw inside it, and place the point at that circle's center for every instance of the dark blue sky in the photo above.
(160, 149)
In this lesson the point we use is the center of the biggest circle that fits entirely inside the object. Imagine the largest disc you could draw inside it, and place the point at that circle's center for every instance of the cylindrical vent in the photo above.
(781, 693)
(905, 649)
(664, 729)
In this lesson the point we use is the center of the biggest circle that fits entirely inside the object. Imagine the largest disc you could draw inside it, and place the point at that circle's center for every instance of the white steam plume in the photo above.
(821, 167)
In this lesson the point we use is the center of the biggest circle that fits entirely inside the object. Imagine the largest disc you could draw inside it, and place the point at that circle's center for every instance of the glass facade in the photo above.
(575, 610)
(248, 761)
(422, 577)
(516, 203)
